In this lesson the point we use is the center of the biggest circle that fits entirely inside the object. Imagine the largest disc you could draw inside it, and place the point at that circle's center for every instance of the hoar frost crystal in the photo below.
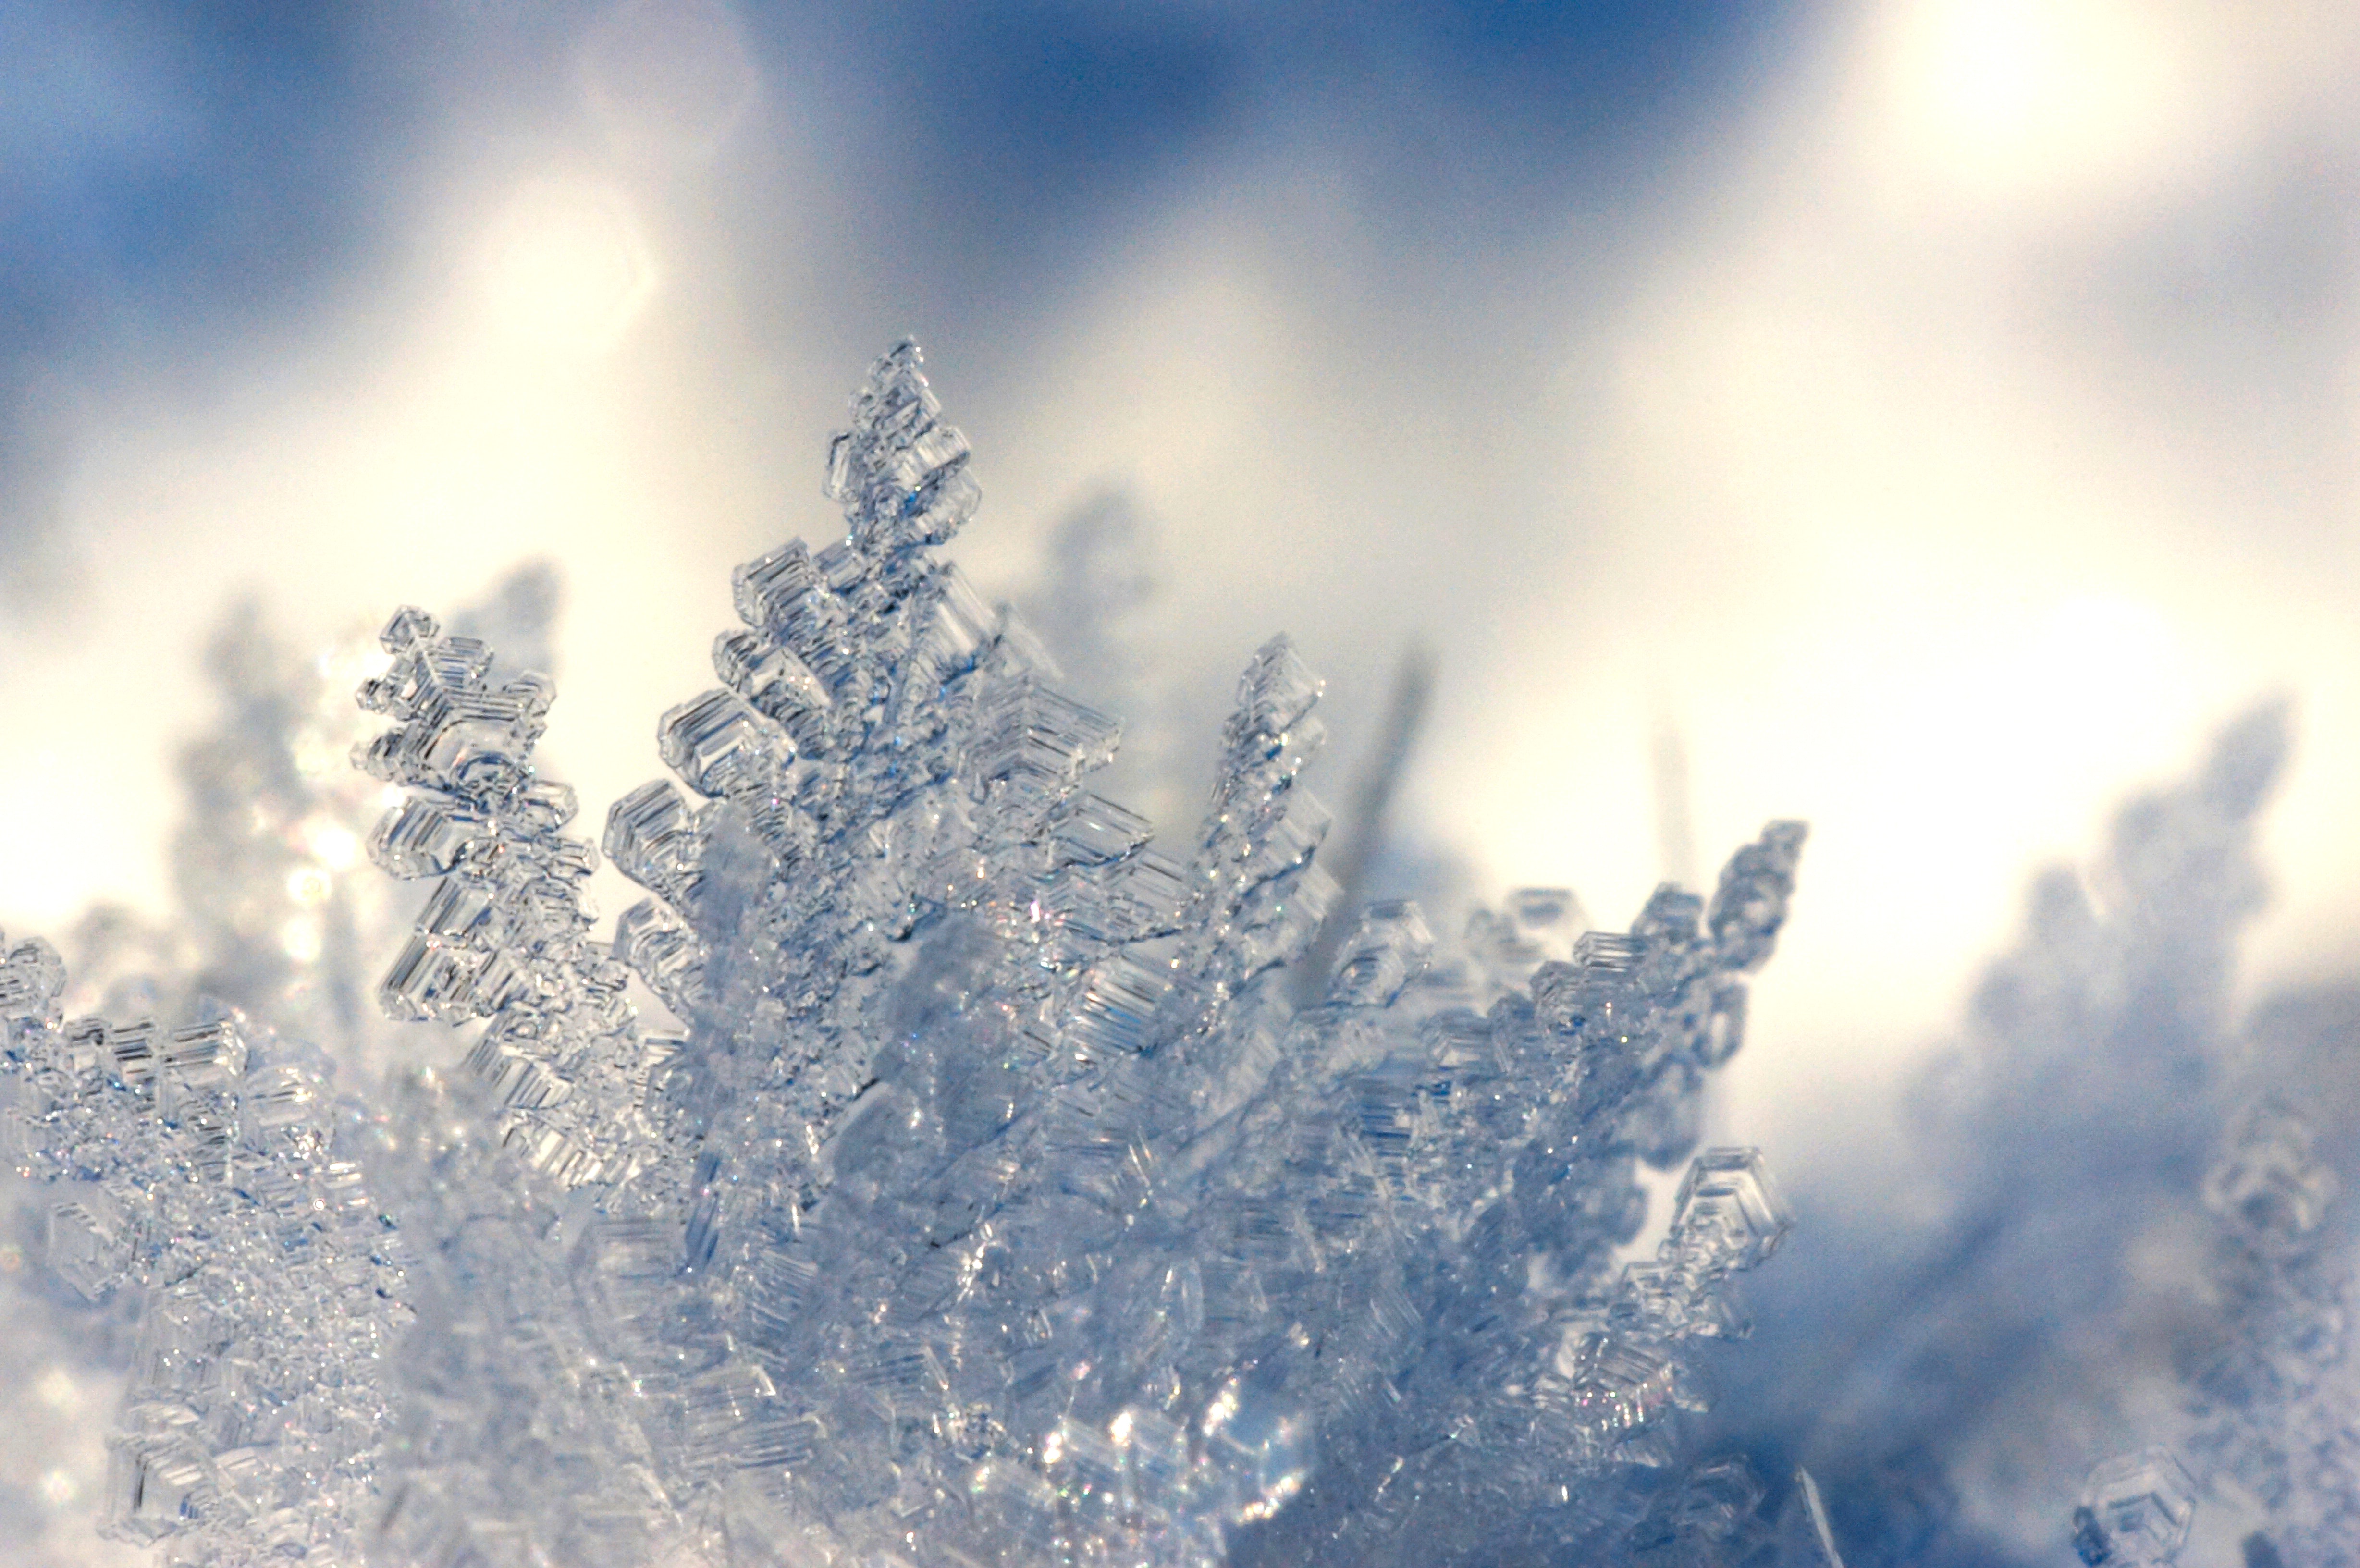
(929, 1170)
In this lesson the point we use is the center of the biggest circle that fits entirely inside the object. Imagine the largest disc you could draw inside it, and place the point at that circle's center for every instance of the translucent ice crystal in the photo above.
(275, 918)
(927, 1170)
(204, 1165)
(2135, 1510)
(2007, 1300)
(504, 935)
(2141, 1237)
(2274, 1411)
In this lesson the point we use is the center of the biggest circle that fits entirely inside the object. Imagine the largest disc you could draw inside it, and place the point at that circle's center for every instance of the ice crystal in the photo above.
(2135, 1510)
(2267, 1429)
(2274, 1413)
(1997, 1306)
(204, 1165)
(929, 1170)
(278, 918)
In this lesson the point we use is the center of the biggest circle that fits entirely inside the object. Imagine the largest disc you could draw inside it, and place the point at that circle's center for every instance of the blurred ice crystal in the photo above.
(270, 848)
(204, 1165)
(2275, 1411)
(927, 1170)
(2267, 1185)
(2011, 1300)
(2135, 1510)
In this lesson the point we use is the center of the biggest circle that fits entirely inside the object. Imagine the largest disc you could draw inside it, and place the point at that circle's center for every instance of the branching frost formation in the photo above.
(930, 1169)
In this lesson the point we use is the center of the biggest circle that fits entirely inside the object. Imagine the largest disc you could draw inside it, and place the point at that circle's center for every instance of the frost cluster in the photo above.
(932, 1169)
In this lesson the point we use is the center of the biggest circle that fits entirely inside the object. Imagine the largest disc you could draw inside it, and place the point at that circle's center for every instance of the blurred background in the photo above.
(1929, 417)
